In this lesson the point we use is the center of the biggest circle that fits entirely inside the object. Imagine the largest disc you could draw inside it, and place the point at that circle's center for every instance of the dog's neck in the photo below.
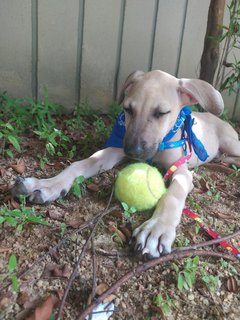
(184, 123)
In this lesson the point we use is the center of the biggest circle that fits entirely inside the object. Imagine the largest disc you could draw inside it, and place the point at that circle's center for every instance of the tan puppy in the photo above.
(152, 102)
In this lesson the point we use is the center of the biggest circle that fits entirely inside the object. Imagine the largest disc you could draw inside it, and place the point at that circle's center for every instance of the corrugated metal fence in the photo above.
(84, 49)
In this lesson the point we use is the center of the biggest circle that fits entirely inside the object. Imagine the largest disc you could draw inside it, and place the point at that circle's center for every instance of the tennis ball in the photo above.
(139, 185)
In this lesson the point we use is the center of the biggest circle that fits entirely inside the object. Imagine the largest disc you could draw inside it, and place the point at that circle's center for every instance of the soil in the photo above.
(44, 273)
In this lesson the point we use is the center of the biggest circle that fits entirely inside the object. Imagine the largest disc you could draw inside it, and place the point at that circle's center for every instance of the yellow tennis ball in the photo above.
(139, 185)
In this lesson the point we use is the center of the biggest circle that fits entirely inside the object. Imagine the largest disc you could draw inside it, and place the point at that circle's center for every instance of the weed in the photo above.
(18, 218)
(224, 265)
(211, 281)
(12, 266)
(193, 204)
(229, 79)
(187, 276)
(76, 187)
(236, 169)
(101, 129)
(42, 112)
(182, 242)
(55, 141)
(164, 301)
(63, 228)
(8, 135)
(127, 211)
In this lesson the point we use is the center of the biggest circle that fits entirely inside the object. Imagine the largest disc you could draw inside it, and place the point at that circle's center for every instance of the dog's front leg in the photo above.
(47, 190)
(155, 236)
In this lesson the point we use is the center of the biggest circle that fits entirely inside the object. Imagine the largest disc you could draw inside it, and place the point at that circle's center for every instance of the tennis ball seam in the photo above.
(148, 184)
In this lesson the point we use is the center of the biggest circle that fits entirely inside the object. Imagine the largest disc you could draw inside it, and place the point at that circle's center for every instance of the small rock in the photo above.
(190, 297)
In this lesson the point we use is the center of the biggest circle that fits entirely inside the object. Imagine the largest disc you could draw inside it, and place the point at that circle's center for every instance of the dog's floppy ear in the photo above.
(194, 91)
(134, 76)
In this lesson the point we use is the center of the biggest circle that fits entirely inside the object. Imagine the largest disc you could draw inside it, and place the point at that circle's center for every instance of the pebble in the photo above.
(190, 297)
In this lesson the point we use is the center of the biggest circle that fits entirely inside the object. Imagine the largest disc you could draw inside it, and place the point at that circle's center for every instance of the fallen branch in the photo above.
(147, 265)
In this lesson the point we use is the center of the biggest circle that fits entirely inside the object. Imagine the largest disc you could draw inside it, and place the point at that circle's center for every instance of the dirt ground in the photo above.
(44, 270)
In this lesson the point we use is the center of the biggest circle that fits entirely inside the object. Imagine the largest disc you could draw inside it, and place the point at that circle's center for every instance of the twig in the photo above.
(207, 243)
(114, 253)
(147, 265)
(74, 273)
(94, 284)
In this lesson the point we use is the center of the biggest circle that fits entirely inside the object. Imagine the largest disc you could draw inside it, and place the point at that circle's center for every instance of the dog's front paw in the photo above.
(153, 238)
(37, 191)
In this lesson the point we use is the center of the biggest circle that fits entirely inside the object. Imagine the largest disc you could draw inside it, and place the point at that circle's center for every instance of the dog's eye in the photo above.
(128, 110)
(158, 114)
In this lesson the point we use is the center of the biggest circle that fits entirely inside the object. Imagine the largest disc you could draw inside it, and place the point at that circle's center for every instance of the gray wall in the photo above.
(84, 49)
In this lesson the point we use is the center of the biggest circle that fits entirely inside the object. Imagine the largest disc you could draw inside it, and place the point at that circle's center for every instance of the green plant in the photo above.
(193, 204)
(211, 281)
(63, 228)
(230, 80)
(164, 301)
(12, 266)
(236, 169)
(42, 112)
(16, 112)
(18, 218)
(56, 143)
(182, 241)
(127, 211)
(100, 127)
(8, 135)
(186, 276)
(76, 187)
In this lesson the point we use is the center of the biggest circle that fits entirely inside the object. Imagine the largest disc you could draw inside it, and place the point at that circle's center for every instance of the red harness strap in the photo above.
(214, 234)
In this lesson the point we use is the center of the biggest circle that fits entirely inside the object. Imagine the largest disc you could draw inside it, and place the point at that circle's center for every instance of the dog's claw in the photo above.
(138, 248)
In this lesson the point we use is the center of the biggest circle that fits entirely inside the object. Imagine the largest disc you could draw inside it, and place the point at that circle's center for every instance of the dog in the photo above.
(152, 103)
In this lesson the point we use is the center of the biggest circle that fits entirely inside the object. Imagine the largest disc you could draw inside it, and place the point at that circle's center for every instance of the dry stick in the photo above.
(74, 273)
(145, 266)
(94, 284)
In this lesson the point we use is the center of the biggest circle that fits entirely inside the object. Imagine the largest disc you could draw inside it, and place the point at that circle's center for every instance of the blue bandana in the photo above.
(184, 120)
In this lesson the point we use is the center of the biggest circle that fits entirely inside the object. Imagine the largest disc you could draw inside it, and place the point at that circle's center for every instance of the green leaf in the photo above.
(125, 206)
(36, 219)
(12, 263)
(188, 278)
(20, 227)
(16, 213)
(9, 153)
(175, 267)
(2, 219)
(50, 148)
(181, 281)
(15, 283)
(12, 221)
(13, 140)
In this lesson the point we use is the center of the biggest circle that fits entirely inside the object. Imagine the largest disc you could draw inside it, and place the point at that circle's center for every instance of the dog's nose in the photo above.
(135, 151)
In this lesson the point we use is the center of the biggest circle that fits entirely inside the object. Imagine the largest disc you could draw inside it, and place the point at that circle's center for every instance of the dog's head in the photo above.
(151, 103)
